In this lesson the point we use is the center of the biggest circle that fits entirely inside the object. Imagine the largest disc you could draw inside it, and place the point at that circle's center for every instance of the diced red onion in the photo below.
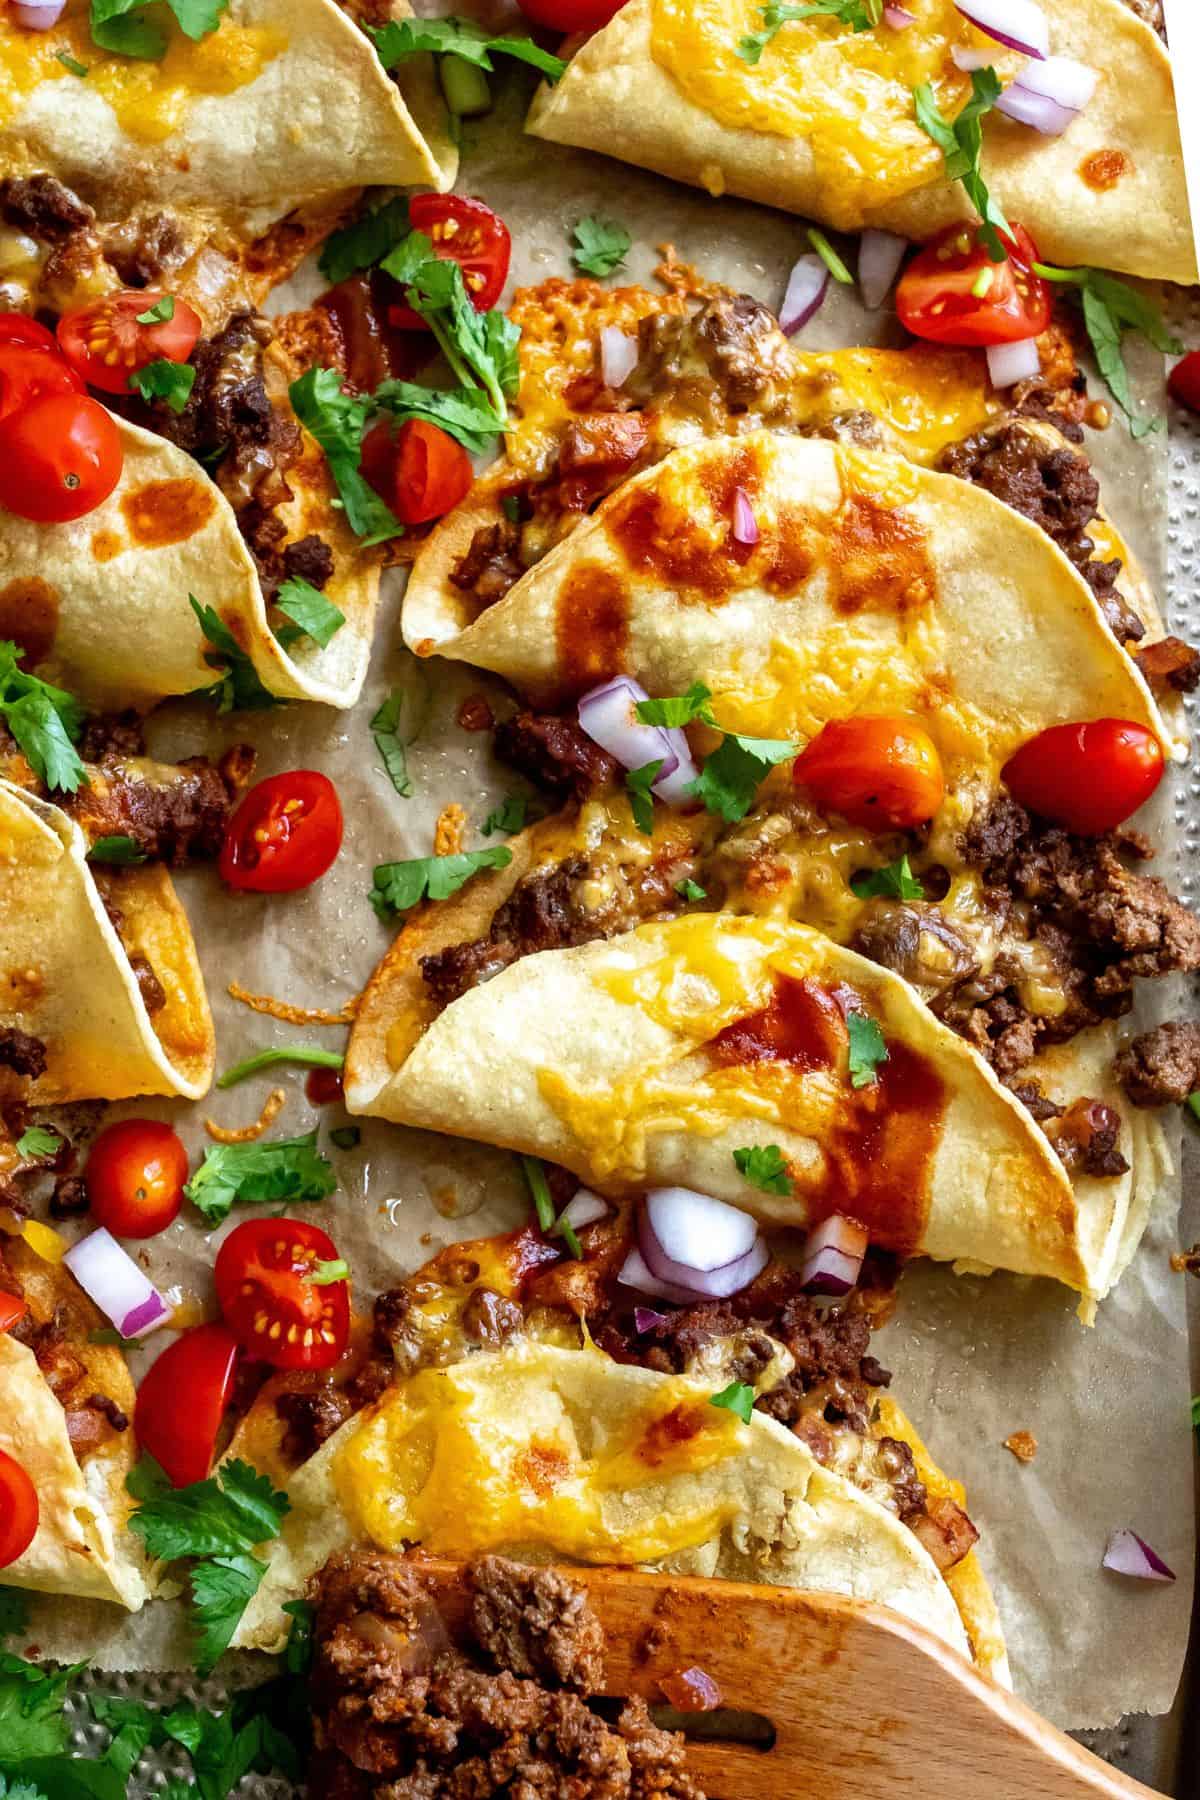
(1128, 1554)
(645, 1318)
(1021, 24)
(38, 15)
(806, 289)
(618, 356)
(584, 1209)
(635, 1274)
(1027, 108)
(1060, 78)
(898, 17)
(110, 1277)
(1010, 363)
(833, 1255)
(880, 254)
(695, 1230)
(699, 1284)
(607, 715)
(745, 525)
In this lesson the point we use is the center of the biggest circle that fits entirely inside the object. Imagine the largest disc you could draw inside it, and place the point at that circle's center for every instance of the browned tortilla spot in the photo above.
(29, 616)
(167, 512)
(1104, 168)
(106, 545)
(879, 559)
(593, 626)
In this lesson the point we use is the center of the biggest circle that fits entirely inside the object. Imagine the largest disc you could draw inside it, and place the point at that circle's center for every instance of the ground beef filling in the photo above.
(21, 1052)
(171, 820)
(1162, 1066)
(553, 751)
(91, 1418)
(402, 1710)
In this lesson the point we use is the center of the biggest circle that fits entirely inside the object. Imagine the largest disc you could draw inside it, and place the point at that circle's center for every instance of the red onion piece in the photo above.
(898, 17)
(618, 356)
(607, 715)
(880, 254)
(698, 1284)
(745, 525)
(806, 288)
(969, 60)
(1128, 1554)
(673, 784)
(110, 1277)
(1027, 108)
(635, 1274)
(1060, 78)
(695, 1230)
(1010, 363)
(38, 15)
(645, 1318)
(1021, 24)
(833, 1255)
(584, 1209)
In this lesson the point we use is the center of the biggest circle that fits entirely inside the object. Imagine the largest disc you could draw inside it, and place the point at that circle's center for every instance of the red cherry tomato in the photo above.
(18, 1510)
(182, 1401)
(285, 834)
(135, 1176)
(29, 370)
(1090, 777)
(280, 1314)
(19, 328)
(882, 772)
(469, 233)
(1184, 381)
(12, 1310)
(422, 472)
(60, 457)
(569, 16)
(953, 293)
(106, 342)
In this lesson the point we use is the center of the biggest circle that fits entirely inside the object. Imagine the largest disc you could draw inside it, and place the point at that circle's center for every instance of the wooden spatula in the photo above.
(864, 1705)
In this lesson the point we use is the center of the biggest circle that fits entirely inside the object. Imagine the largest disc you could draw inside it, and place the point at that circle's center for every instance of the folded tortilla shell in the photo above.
(551, 1454)
(1109, 192)
(101, 605)
(65, 973)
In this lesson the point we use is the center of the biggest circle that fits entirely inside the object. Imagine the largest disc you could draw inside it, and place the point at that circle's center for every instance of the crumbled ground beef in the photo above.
(154, 996)
(169, 820)
(70, 1197)
(730, 351)
(1151, 13)
(1161, 1067)
(142, 248)
(43, 207)
(491, 1319)
(308, 559)
(916, 941)
(554, 752)
(21, 1052)
(310, 1415)
(1170, 666)
(112, 735)
(1085, 1136)
(402, 1710)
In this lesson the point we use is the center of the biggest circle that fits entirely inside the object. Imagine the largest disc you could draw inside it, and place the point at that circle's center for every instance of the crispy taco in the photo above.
(136, 153)
(65, 1409)
(819, 117)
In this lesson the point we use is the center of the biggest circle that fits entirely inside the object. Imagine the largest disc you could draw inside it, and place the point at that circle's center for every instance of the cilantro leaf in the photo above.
(512, 815)
(297, 1656)
(690, 890)
(161, 313)
(641, 800)
(44, 720)
(66, 1777)
(601, 245)
(37, 1141)
(867, 1049)
(679, 709)
(312, 615)
(860, 15)
(260, 1174)
(466, 413)
(222, 1588)
(18, 1790)
(763, 1166)
(346, 1137)
(123, 25)
(162, 380)
(365, 242)
(32, 1717)
(481, 348)
(459, 37)
(1196, 1412)
(391, 743)
(117, 849)
(14, 1612)
(962, 146)
(894, 881)
(306, 1055)
(197, 18)
(729, 779)
(337, 421)
(135, 1727)
(239, 688)
(1110, 309)
(737, 1398)
(400, 885)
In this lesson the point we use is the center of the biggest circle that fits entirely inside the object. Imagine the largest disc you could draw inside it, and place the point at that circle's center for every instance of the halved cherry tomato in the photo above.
(182, 1401)
(469, 233)
(422, 472)
(953, 293)
(18, 1510)
(569, 16)
(882, 772)
(106, 342)
(12, 1310)
(265, 1285)
(19, 328)
(1090, 777)
(134, 1177)
(285, 834)
(1184, 381)
(60, 457)
(30, 369)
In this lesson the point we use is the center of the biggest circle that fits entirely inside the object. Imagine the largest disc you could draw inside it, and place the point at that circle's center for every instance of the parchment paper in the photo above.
(974, 1359)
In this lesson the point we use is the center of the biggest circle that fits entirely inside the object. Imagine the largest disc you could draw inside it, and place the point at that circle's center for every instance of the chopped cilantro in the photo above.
(459, 37)
(337, 421)
(1196, 1412)
(297, 1655)
(14, 1612)
(466, 413)
(481, 348)
(33, 1721)
(116, 849)
(400, 885)
(737, 1398)
(867, 1049)
(513, 814)
(393, 745)
(860, 15)
(239, 688)
(731, 774)
(894, 881)
(161, 313)
(763, 1166)
(543, 1205)
(326, 1273)
(962, 146)
(44, 720)
(641, 800)
(37, 1141)
(106, 1334)
(1193, 1105)
(311, 614)
(691, 890)
(19, 1790)
(829, 257)
(346, 1137)
(125, 26)
(162, 380)
(601, 245)
(679, 709)
(306, 1055)
(365, 242)
(71, 63)
(260, 1174)
(1110, 309)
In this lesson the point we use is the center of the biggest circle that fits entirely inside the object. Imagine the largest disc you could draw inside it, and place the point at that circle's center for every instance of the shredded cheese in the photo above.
(293, 1015)
(246, 1134)
(448, 832)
